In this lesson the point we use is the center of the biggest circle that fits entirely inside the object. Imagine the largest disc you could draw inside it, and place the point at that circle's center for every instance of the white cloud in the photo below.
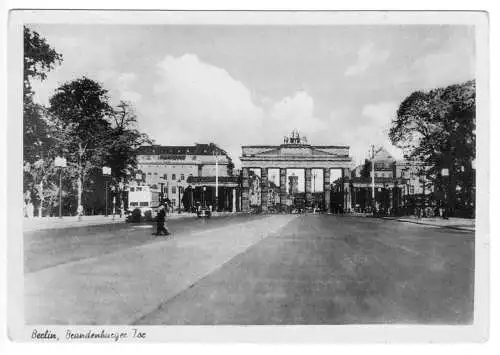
(381, 113)
(368, 56)
(452, 63)
(444, 68)
(196, 102)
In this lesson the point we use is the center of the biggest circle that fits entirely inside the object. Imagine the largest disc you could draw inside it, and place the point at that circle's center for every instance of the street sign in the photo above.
(60, 162)
(444, 172)
(106, 170)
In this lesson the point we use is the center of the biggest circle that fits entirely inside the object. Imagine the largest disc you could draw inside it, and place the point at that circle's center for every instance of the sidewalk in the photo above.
(72, 221)
(68, 221)
(455, 223)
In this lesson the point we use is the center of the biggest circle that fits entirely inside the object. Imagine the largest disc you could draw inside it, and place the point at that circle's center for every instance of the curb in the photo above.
(432, 225)
(94, 223)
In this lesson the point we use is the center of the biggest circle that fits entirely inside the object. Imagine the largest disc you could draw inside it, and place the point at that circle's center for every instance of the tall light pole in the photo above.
(216, 156)
(373, 175)
(106, 171)
(179, 193)
(60, 162)
(445, 173)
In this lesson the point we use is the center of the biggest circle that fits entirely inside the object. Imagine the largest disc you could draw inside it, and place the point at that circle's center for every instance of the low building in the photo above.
(396, 183)
(169, 167)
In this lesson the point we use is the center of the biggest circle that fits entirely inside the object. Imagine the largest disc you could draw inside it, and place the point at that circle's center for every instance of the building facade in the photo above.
(397, 184)
(168, 168)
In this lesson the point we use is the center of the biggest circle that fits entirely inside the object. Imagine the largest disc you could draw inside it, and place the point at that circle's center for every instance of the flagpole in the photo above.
(373, 173)
(216, 181)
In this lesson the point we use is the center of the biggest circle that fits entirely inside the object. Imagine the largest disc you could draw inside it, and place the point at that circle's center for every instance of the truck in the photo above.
(144, 198)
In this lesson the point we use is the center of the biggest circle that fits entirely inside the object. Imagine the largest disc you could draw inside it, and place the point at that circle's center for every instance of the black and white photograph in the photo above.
(248, 169)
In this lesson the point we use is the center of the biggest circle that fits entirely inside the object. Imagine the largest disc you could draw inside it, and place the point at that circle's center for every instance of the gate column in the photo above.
(283, 189)
(244, 193)
(264, 193)
(346, 175)
(327, 189)
(308, 175)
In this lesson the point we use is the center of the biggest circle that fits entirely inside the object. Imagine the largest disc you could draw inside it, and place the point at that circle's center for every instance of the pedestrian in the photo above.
(160, 222)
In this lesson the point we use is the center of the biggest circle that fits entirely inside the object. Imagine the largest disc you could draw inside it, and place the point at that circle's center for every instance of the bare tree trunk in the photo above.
(80, 191)
(80, 181)
(40, 207)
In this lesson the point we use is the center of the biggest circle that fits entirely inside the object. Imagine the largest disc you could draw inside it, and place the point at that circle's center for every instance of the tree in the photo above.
(80, 111)
(438, 129)
(122, 144)
(367, 169)
(39, 59)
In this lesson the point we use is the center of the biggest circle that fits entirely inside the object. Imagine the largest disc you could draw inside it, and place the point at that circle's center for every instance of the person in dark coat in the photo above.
(160, 222)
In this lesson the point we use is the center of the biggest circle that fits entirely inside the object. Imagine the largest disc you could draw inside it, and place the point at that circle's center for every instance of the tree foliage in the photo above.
(438, 128)
(366, 169)
(93, 134)
(39, 59)
(123, 141)
(80, 111)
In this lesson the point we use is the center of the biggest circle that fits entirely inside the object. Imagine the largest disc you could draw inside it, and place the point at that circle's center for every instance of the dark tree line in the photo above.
(81, 125)
(437, 128)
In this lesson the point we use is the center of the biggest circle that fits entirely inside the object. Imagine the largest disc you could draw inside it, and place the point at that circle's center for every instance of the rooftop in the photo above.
(196, 149)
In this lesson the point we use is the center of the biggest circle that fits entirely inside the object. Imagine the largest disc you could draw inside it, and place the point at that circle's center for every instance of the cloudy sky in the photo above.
(244, 85)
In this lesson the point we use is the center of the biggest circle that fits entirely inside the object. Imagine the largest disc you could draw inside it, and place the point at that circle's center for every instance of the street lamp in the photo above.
(203, 196)
(179, 194)
(445, 173)
(106, 172)
(60, 162)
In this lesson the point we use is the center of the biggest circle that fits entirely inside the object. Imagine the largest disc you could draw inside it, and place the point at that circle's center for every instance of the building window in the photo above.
(173, 176)
(138, 188)
(174, 190)
(143, 204)
(132, 189)
(149, 173)
(173, 202)
(156, 173)
(181, 189)
(412, 189)
(132, 204)
(182, 176)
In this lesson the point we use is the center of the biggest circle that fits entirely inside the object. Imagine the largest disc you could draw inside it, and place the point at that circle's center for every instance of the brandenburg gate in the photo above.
(295, 153)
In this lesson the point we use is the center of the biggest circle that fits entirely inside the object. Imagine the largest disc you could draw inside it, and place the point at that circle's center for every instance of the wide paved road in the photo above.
(311, 269)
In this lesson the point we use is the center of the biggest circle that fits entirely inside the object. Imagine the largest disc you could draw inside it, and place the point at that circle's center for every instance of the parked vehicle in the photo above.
(203, 211)
(145, 199)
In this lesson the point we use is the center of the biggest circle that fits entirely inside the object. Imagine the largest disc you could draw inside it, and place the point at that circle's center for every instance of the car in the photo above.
(203, 212)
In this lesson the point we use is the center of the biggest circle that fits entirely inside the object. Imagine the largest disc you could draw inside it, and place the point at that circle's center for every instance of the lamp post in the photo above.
(179, 194)
(114, 202)
(106, 172)
(162, 198)
(216, 156)
(374, 203)
(445, 173)
(203, 196)
(60, 162)
(121, 186)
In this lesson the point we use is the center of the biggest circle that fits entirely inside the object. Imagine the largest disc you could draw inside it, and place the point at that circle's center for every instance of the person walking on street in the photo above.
(160, 222)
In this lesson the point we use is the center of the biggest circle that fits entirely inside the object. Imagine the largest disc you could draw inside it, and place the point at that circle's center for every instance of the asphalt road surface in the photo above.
(309, 269)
